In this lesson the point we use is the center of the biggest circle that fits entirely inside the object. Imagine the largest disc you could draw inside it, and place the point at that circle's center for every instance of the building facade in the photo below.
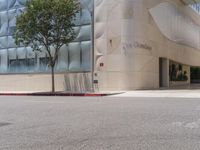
(145, 44)
(120, 45)
(22, 68)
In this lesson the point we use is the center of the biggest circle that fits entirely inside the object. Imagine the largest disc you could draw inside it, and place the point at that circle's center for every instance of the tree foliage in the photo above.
(46, 24)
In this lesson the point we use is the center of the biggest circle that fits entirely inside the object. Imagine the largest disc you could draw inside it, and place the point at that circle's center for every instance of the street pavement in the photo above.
(99, 123)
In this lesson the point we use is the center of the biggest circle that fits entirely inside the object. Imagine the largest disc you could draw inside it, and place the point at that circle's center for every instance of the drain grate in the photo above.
(2, 124)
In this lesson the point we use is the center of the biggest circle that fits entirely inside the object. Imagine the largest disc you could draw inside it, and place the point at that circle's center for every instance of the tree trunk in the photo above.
(53, 80)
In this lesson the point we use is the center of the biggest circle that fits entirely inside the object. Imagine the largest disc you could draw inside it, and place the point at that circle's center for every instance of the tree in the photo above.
(46, 24)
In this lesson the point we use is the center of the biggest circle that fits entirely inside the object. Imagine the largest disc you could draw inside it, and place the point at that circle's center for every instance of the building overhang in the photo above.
(189, 2)
(175, 25)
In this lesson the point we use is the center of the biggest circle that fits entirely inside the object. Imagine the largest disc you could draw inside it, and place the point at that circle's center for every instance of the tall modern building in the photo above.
(120, 45)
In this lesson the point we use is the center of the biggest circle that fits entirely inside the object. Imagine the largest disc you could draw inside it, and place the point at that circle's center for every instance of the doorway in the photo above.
(163, 72)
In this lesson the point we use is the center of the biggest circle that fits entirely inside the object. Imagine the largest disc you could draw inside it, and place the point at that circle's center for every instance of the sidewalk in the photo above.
(144, 93)
(184, 93)
(191, 91)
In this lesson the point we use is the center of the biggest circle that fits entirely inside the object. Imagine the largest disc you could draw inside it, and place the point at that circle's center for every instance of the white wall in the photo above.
(30, 83)
(73, 82)
(129, 43)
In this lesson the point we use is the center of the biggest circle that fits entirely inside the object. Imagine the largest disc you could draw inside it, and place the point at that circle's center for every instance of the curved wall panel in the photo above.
(84, 33)
(86, 55)
(175, 25)
(3, 5)
(101, 46)
(16, 3)
(3, 61)
(30, 53)
(3, 23)
(12, 53)
(21, 53)
(3, 42)
(187, 2)
(113, 26)
(63, 59)
(85, 16)
(100, 32)
(74, 55)
(11, 42)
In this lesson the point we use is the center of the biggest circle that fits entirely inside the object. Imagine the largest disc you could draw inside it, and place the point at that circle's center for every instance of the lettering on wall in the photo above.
(128, 46)
(142, 45)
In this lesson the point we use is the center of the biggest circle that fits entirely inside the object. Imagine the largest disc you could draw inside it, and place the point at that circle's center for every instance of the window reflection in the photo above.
(44, 64)
(18, 65)
(31, 64)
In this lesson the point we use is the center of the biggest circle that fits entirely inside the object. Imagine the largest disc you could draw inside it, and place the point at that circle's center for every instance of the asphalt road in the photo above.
(109, 123)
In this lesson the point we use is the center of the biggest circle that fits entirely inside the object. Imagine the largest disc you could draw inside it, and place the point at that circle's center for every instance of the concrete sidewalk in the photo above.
(184, 93)
(162, 93)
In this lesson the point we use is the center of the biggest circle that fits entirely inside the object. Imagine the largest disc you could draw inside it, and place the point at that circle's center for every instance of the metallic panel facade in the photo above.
(72, 58)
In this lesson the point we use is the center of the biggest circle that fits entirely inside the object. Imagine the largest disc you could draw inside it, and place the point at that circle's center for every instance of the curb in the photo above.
(57, 94)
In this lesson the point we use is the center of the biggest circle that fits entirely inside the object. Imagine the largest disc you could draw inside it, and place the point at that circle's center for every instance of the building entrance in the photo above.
(179, 74)
(163, 72)
(195, 74)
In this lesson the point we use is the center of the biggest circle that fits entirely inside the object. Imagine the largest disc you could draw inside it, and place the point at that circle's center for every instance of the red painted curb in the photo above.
(56, 94)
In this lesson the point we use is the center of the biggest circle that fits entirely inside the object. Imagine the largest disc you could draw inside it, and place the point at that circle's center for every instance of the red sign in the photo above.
(101, 64)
